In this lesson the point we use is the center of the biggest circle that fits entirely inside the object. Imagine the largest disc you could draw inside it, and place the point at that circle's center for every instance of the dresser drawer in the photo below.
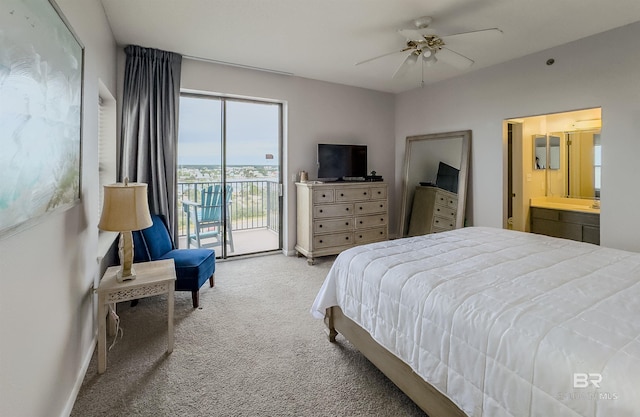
(378, 192)
(371, 235)
(443, 223)
(446, 200)
(444, 211)
(353, 194)
(333, 225)
(371, 221)
(332, 210)
(367, 207)
(324, 196)
(335, 239)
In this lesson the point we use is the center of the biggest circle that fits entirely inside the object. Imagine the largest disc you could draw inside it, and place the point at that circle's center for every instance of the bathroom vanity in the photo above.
(567, 218)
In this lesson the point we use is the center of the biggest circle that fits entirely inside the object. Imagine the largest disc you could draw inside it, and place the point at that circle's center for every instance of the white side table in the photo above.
(152, 278)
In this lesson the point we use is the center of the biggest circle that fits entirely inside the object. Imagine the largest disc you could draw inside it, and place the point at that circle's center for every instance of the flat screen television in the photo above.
(337, 162)
(447, 177)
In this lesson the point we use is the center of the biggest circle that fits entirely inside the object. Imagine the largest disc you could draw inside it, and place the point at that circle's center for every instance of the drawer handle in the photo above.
(437, 221)
(382, 233)
(365, 193)
(320, 210)
(346, 223)
(320, 240)
(360, 236)
(347, 238)
(381, 220)
(437, 209)
(441, 199)
(381, 205)
(379, 192)
(341, 194)
(320, 226)
(323, 195)
(347, 208)
(360, 207)
(360, 221)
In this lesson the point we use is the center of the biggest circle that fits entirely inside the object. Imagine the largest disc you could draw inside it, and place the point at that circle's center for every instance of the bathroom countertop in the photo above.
(565, 206)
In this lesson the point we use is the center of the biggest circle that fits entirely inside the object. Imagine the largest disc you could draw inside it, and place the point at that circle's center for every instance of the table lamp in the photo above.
(125, 209)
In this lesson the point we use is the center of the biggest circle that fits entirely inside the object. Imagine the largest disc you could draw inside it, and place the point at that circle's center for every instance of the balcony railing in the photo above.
(254, 203)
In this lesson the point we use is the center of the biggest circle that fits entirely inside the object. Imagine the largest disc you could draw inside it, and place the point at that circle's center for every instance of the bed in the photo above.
(484, 322)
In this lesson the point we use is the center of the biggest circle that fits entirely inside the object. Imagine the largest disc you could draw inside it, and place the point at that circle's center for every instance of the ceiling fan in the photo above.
(424, 42)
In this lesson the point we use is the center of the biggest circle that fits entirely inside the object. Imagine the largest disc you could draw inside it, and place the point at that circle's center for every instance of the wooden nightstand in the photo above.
(152, 278)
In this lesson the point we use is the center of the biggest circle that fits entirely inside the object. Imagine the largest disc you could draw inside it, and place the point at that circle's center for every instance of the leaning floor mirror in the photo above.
(434, 182)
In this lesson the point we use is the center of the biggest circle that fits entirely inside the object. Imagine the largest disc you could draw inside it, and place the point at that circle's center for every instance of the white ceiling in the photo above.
(323, 39)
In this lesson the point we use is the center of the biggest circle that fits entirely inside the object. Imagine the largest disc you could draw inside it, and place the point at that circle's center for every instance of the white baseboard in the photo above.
(80, 378)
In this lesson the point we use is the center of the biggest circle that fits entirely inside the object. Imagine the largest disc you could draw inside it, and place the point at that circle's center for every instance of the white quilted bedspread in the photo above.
(504, 323)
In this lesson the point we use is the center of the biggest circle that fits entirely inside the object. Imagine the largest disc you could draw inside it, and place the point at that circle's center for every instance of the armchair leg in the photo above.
(212, 280)
(195, 298)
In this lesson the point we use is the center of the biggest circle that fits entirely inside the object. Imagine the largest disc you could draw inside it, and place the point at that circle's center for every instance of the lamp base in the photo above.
(121, 278)
(125, 250)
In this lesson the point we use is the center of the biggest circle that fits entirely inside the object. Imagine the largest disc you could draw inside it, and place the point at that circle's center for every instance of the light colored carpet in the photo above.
(251, 349)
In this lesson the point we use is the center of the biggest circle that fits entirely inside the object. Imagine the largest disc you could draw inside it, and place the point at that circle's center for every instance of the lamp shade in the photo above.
(125, 207)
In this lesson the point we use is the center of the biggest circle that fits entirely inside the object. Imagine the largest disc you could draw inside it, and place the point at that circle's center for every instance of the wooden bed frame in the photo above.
(428, 398)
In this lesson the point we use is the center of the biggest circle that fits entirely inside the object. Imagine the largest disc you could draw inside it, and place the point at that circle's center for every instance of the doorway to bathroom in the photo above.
(553, 162)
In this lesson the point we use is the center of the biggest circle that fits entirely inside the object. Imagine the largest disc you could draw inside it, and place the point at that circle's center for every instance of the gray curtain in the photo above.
(150, 126)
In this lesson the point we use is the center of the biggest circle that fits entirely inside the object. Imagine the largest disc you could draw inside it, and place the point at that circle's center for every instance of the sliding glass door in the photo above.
(229, 175)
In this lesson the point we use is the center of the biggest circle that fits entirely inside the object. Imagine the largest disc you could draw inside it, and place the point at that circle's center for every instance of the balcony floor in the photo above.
(246, 241)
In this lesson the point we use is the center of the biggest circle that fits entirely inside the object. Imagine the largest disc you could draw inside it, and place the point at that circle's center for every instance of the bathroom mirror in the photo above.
(583, 164)
(546, 152)
(423, 155)
(554, 152)
(576, 155)
(540, 151)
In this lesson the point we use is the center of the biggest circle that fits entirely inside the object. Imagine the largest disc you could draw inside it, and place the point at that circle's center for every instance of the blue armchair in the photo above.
(193, 266)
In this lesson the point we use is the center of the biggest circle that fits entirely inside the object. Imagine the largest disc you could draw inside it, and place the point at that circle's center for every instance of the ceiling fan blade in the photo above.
(454, 58)
(486, 34)
(381, 56)
(406, 64)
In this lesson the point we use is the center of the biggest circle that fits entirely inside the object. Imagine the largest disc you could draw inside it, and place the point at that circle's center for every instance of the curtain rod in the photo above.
(230, 64)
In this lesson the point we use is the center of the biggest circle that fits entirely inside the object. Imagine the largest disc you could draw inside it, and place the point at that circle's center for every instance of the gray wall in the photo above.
(48, 271)
(599, 71)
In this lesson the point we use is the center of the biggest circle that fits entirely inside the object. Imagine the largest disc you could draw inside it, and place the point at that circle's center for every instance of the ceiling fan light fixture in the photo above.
(430, 60)
(413, 58)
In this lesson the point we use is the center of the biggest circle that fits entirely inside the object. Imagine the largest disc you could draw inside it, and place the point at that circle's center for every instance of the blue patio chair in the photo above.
(193, 266)
(206, 218)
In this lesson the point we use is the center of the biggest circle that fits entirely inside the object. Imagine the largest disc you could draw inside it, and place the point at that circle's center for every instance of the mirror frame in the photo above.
(465, 135)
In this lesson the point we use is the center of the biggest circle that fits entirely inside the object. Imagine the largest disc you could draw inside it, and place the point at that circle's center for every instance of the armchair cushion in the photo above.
(193, 267)
(157, 238)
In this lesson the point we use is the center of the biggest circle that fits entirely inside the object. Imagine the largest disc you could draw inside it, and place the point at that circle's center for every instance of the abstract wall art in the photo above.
(41, 74)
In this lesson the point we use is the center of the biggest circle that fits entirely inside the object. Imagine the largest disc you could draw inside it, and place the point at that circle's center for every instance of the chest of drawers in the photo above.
(332, 217)
(434, 210)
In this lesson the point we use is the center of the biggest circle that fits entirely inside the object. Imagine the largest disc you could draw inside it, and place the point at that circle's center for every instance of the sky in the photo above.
(252, 132)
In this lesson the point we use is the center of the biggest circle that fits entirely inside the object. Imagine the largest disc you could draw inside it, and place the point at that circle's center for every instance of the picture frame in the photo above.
(41, 85)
